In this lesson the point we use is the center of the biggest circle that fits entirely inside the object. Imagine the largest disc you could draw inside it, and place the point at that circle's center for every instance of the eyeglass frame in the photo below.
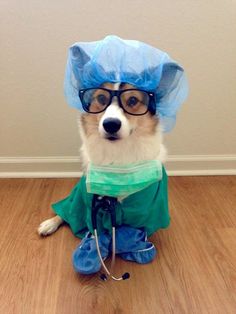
(116, 93)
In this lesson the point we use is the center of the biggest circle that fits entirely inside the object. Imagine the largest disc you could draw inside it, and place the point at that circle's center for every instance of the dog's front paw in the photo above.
(49, 226)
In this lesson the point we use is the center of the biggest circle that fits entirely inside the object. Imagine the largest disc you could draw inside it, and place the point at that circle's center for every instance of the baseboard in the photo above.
(195, 165)
(70, 166)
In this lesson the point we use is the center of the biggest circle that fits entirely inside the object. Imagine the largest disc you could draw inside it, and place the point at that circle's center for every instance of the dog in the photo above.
(114, 136)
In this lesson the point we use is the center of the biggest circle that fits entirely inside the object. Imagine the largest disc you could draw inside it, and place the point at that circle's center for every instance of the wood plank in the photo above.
(195, 271)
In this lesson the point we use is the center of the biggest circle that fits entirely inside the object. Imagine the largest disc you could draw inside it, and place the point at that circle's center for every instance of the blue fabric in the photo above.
(131, 245)
(85, 258)
(113, 59)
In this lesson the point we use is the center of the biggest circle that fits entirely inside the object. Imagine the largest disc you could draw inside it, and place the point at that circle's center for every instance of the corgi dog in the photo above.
(119, 126)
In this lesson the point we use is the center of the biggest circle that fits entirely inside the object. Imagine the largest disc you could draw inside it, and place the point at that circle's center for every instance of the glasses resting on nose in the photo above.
(133, 101)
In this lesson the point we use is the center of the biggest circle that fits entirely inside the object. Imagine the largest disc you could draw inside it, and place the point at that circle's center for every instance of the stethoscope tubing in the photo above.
(111, 209)
(109, 273)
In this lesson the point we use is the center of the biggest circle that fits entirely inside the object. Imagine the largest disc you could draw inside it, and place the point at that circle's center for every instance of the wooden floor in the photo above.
(195, 271)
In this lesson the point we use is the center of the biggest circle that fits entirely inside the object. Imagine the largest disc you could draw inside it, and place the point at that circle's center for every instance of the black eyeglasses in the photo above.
(133, 101)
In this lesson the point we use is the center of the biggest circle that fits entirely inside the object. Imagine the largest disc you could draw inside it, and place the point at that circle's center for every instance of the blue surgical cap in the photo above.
(114, 60)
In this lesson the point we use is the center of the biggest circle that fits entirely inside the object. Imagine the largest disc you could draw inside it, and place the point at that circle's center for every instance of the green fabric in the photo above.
(146, 209)
(122, 180)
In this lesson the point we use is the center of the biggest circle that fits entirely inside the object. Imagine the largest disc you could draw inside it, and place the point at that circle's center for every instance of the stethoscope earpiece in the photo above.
(103, 277)
(126, 276)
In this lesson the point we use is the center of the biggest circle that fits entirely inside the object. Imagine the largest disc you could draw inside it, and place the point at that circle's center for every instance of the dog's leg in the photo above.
(49, 226)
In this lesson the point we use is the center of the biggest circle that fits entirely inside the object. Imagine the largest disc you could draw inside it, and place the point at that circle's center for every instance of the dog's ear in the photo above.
(77, 59)
(79, 56)
(169, 78)
(86, 70)
(171, 92)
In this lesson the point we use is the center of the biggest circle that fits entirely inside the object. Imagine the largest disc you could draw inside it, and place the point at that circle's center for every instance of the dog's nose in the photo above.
(111, 125)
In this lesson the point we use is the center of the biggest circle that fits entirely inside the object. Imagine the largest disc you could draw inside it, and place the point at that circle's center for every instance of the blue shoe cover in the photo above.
(132, 245)
(85, 257)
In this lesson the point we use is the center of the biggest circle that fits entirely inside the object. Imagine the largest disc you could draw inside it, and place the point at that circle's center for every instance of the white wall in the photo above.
(34, 37)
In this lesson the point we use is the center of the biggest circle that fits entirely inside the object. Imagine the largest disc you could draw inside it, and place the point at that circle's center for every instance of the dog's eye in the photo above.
(132, 101)
(102, 99)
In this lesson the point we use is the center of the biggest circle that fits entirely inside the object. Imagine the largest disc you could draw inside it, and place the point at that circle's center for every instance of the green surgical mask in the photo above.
(122, 180)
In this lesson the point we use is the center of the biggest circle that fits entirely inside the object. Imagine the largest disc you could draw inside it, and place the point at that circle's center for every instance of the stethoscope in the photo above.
(107, 203)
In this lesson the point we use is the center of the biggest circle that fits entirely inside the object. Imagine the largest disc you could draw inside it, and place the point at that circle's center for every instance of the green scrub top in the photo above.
(147, 209)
